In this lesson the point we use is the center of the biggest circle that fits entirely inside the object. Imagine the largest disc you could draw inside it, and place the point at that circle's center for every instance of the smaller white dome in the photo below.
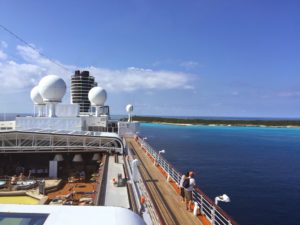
(97, 96)
(52, 88)
(129, 108)
(36, 96)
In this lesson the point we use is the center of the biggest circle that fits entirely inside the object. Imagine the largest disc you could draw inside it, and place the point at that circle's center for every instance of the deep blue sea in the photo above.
(259, 168)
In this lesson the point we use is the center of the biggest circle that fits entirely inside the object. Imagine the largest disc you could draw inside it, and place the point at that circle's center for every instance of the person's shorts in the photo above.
(188, 195)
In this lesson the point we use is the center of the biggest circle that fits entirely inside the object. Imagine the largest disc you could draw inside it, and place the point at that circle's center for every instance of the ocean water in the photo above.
(259, 168)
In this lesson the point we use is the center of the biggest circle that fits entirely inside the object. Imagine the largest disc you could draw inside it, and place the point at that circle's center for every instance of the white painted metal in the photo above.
(135, 171)
(129, 109)
(51, 141)
(36, 96)
(52, 88)
(79, 215)
(150, 215)
(97, 96)
(53, 169)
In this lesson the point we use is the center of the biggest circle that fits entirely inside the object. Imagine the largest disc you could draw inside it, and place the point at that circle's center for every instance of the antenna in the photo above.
(97, 97)
(129, 109)
(52, 89)
(32, 47)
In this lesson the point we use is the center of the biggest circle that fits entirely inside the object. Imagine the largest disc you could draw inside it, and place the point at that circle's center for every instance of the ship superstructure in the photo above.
(81, 83)
(71, 157)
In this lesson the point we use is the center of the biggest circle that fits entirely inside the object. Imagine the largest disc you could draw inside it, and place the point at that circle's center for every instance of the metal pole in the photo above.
(201, 204)
(213, 215)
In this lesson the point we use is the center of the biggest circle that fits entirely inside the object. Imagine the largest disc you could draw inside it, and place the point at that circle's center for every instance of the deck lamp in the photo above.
(162, 151)
(222, 198)
(77, 158)
(96, 157)
(159, 152)
(143, 141)
(58, 158)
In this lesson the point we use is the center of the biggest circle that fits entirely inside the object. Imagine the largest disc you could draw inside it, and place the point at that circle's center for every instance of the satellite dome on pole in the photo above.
(52, 89)
(129, 110)
(97, 97)
(37, 100)
(36, 96)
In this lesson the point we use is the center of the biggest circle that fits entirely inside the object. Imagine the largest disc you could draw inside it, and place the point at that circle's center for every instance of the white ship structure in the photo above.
(64, 156)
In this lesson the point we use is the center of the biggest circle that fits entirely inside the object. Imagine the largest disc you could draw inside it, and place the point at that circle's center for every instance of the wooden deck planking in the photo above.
(165, 197)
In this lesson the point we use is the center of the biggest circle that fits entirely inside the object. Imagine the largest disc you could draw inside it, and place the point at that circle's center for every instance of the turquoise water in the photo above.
(257, 167)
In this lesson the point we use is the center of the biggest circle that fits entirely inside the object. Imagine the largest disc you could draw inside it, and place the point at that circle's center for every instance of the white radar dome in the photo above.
(36, 96)
(97, 96)
(129, 108)
(52, 88)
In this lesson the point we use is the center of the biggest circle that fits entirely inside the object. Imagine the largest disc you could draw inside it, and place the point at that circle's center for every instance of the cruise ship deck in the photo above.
(167, 200)
(93, 161)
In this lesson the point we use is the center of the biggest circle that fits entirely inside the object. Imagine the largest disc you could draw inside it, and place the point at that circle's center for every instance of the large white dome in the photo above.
(129, 108)
(36, 96)
(97, 96)
(52, 88)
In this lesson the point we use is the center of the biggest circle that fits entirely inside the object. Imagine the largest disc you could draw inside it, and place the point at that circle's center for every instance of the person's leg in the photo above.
(182, 194)
(186, 199)
(190, 205)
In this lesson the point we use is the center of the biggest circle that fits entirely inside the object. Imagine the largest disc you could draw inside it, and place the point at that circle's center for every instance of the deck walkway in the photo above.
(115, 196)
(167, 201)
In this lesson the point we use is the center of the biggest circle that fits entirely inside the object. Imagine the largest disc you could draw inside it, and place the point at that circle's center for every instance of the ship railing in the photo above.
(213, 213)
(149, 204)
(139, 190)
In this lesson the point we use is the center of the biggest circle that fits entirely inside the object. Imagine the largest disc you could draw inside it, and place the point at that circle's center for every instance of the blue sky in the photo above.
(185, 58)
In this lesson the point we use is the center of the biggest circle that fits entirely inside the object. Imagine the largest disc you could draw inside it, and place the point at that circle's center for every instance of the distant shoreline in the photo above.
(228, 123)
(223, 125)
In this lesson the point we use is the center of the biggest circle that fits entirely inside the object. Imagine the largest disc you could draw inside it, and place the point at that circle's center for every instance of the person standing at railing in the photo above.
(183, 177)
(188, 185)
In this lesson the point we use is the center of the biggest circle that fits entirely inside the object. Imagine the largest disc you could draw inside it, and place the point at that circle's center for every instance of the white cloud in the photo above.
(3, 56)
(16, 76)
(132, 79)
(31, 56)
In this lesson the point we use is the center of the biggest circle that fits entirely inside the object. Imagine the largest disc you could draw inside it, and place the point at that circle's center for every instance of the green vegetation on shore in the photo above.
(276, 123)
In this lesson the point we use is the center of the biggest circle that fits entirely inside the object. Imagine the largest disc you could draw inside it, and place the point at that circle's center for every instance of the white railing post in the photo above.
(168, 177)
(213, 215)
(201, 204)
(196, 207)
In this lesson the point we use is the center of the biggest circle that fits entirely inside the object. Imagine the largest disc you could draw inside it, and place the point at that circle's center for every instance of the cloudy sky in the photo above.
(177, 58)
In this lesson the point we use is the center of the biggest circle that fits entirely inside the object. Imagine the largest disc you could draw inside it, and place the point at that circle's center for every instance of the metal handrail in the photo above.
(152, 210)
(212, 212)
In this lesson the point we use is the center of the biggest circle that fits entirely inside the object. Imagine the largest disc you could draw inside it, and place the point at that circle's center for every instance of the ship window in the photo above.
(23, 218)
